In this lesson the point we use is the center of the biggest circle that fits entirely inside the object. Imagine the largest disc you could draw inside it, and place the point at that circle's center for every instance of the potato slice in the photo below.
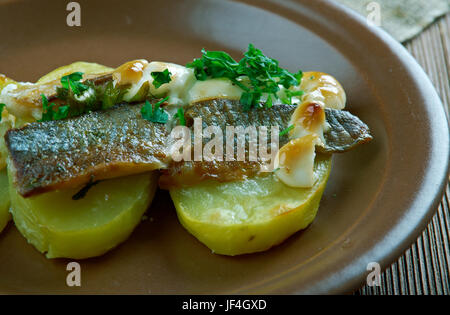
(5, 216)
(61, 227)
(251, 215)
(4, 81)
(81, 66)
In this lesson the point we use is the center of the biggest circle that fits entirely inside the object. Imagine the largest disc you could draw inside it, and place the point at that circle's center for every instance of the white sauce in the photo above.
(182, 79)
(295, 162)
(213, 88)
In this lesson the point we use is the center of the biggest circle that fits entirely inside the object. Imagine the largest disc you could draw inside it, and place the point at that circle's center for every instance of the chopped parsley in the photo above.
(161, 77)
(49, 113)
(81, 98)
(286, 131)
(1, 110)
(256, 74)
(72, 81)
(111, 95)
(180, 116)
(155, 113)
(289, 94)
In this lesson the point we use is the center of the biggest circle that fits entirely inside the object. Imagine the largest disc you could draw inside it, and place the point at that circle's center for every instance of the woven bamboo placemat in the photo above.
(425, 267)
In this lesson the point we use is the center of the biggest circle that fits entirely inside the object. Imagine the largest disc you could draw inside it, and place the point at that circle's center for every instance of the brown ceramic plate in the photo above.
(378, 199)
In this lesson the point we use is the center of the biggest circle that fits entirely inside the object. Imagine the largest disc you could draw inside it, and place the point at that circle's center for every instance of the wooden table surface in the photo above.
(425, 267)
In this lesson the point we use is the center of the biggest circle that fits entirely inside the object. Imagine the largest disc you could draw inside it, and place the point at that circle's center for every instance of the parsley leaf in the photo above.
(1, 110)
(94, 97)
(269, 102)
(248, 99)
(289, 94)
(255, 73)
(61, 113)
(161, 77)
(81, 98)
(180, 116)
(73, 81)
(286, 131)
(111, 95)
(49, 114)
(155, 114)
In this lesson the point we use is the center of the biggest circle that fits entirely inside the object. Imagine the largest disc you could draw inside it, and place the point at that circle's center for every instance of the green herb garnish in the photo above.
(256, 74)
(155, 113)
(180, 116)
(289, 94)
(1, 110)
(285, 131)
(90, 97)
(61, 113)
(269, 102)
(111, 95)
(72, 81)
(48, 113)
(161, 77)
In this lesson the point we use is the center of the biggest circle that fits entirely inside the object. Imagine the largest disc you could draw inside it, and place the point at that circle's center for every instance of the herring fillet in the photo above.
(67, 153)
(51, 155)
(345, 132)
(224, 113)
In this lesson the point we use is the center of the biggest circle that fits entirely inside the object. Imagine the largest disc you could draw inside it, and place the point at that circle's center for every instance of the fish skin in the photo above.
(346, 132)
(223, 113)
(117, 142)
(99, 145)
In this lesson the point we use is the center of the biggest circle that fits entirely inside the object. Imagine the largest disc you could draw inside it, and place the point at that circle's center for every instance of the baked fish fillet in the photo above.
(67, 153)
(117, 142)
(344, 132)
(223, 113)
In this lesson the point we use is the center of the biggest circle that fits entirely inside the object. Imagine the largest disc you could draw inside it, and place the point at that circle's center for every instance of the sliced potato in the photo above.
(7, 122)
(61, 227)
(81, 66)
(251, 215)
(4, 81)
(5, 216)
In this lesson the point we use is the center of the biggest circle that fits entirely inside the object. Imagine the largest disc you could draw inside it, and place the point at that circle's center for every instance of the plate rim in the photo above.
(353, 277)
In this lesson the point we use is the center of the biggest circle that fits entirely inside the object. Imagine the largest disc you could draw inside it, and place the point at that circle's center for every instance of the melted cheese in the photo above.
(182, 79)
(23, 99)
(308, 118)
(214, 88)
(296, 158)
(323, 89)
(130, 73)
(295, 162)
